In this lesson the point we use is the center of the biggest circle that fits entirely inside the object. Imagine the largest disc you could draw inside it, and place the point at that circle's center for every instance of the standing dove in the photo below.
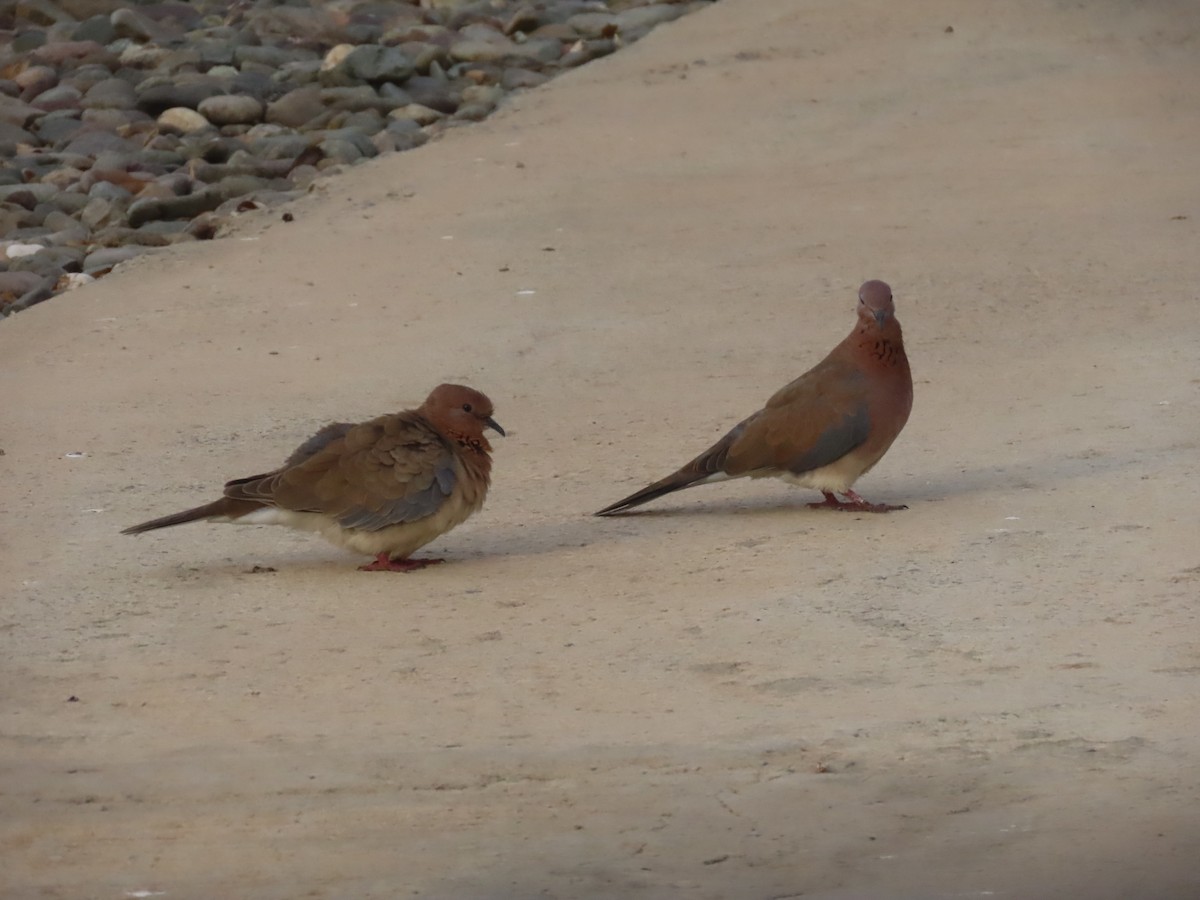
(385, 487)
(824, 430)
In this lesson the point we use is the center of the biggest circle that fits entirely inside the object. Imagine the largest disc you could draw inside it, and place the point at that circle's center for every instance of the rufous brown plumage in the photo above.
(826, 429)
(385, 487)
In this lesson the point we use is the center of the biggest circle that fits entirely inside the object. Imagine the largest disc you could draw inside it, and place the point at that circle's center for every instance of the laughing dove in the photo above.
(825, 429)
(385, 487)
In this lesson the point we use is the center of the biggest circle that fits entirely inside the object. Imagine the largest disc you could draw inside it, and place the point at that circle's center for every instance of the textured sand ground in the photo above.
(994, 693)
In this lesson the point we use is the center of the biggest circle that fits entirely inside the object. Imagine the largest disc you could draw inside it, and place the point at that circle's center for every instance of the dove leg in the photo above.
(852, 503)
(383, 563)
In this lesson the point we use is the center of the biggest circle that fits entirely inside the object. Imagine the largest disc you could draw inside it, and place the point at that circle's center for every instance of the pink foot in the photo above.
(852, 503)
(384, 564)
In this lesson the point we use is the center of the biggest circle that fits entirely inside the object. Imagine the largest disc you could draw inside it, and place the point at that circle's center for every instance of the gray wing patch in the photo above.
(835, 442)
(403, 509)
(317, 442)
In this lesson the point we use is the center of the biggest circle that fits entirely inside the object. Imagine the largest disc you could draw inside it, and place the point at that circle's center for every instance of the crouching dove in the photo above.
(385, 487)
(824, 430)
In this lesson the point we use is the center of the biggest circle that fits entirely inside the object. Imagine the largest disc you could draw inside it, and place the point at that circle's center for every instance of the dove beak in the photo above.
(494, 425)
(880, 316)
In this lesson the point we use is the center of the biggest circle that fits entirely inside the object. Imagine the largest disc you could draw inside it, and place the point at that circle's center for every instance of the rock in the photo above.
(394, 95)
(183, 120)
(432, 91)
(14, 284)
(143, 56)
(270, 56)
(65, 96)
(281, 146)
(185, 207)
(374, 64)
(36, 79)
(28, 40)
(484, 50)
(423, 54)
(41, 12)
(116, 194)
(72, 280)
(231, 109)
(11, 135)
(15, 112)
(148, 122)
(541, 50)
(415, 112)
(60, 52)
(58, 128)
(27, 195)
(100, 212)
(340, 152)
(474, 112)
(398, 141)
(43, 289)
(353, 99)
(515, 79)
(17, 250)
(640, 19)
(111, 93)
(483, 94)
(524, 18)
(593, 24)
(297, 107)
(104, 259)
(129, 23)
(585, 51)
(366, 122)
(97, 28)
(157, 98)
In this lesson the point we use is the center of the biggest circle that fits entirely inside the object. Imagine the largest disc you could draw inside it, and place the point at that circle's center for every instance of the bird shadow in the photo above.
(1031, 473)
(584, 530)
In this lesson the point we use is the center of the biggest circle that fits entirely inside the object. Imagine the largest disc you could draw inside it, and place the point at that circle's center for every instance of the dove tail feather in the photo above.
(708, 466)
(225, 508)
(676, 481)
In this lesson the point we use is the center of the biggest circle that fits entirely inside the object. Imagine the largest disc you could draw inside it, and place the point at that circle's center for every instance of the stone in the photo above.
(515, 79)
(107, 257)
(231, 109)
(415, 112)
(432, 91)
(116, 194)
(97, 28)
(270, 56)
(11, 135)
(27, 195)
(183, 120)
(15, 112)
(297, 107)
(36, 79)
(60, 52)
(100, 212)
(423, 54)
(495, 50)
(156, 98)
(128, 23)
(374, 64)
(593, 24)
(111, 93)
(65, 96)
(641, 19)
(14, 284)
(353, 99)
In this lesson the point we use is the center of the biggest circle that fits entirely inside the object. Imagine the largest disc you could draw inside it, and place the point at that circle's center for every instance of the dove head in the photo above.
(460, 413)
(875, 304)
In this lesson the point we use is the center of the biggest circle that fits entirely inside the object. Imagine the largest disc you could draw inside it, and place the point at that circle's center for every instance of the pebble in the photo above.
(125, 127)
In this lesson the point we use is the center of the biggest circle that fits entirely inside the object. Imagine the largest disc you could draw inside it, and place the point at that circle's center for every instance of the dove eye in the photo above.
(466, 407)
